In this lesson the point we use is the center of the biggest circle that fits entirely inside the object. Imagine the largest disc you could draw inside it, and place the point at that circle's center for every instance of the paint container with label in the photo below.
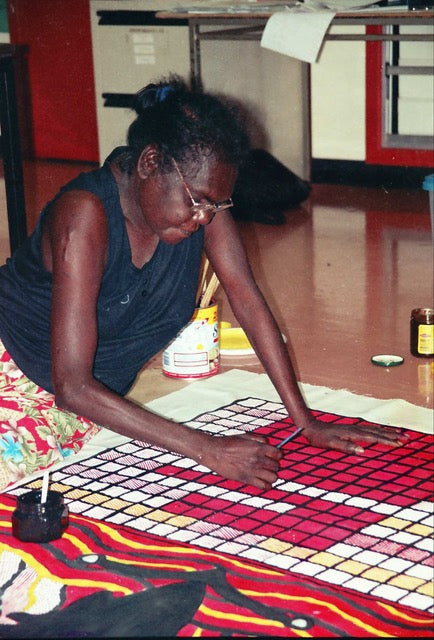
(36, 521)
(422, 333)
(195, 353)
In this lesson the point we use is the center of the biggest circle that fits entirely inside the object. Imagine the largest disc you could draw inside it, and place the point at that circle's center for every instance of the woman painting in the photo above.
(109, 277)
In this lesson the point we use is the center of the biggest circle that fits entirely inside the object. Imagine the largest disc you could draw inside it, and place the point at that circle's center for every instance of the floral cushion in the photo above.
(34, 432)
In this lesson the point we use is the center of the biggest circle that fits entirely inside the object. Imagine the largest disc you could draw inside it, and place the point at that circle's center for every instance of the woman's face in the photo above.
(168, 200)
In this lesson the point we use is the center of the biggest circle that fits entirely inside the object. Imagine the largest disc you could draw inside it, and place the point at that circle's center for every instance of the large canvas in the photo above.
(362, 523)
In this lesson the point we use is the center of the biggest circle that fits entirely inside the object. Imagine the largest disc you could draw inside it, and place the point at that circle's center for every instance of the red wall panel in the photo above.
(60, 68)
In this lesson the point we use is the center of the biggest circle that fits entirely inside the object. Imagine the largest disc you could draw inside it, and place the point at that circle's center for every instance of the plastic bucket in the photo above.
(428, 185)
(195, 352)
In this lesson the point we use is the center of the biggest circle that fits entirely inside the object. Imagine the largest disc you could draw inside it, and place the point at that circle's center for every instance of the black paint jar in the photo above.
(34, 521)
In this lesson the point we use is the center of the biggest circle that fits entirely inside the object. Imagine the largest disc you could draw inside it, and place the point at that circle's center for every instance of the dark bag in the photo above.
(265, 189)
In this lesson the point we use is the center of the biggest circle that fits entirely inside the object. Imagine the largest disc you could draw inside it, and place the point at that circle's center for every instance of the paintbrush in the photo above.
(289, 438)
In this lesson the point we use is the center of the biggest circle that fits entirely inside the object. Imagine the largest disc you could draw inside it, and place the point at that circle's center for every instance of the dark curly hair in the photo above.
(184, 124)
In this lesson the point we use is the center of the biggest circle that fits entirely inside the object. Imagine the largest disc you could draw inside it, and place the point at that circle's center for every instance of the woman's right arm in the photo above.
(75, 246)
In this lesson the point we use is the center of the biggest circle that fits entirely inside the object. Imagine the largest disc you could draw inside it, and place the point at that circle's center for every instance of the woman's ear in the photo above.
(149, 161)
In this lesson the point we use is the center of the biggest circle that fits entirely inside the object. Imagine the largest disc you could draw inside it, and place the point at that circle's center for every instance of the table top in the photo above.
(400, 14)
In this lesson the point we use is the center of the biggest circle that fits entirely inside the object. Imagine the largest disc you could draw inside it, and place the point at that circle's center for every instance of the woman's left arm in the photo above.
(228, 258)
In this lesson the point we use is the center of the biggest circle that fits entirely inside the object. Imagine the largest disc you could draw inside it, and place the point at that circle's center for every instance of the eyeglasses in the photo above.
(200, 208)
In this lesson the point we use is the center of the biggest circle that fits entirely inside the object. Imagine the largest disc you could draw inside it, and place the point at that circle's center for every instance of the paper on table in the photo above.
(297, 33)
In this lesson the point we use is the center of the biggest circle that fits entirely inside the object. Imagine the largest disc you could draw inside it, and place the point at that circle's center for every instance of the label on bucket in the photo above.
(194, 353)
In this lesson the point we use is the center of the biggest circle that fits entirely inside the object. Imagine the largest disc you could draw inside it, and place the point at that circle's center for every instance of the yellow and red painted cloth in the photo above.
(107, 580)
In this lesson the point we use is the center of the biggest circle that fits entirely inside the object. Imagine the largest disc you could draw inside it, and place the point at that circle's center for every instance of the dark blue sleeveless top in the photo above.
(139, 310)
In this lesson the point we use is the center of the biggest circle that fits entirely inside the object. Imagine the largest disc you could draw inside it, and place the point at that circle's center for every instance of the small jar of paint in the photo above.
(36, 521)
(422, 333)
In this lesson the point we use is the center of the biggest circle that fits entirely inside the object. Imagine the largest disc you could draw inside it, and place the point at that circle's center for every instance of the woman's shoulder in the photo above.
(92, 192)
(78, 202)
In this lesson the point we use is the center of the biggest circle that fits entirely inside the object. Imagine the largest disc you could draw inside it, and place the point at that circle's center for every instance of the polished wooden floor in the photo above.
(342, 276)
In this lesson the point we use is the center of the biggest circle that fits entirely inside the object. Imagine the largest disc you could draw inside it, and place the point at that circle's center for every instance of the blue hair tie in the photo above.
(162, 93)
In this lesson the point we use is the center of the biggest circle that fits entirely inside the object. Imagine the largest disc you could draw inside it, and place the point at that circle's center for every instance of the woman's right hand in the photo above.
(246, 458)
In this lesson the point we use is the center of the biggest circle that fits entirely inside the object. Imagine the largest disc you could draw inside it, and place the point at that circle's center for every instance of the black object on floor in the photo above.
(265, 189)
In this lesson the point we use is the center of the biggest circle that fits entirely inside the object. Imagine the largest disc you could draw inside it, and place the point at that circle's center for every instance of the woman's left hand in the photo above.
(349, 438)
